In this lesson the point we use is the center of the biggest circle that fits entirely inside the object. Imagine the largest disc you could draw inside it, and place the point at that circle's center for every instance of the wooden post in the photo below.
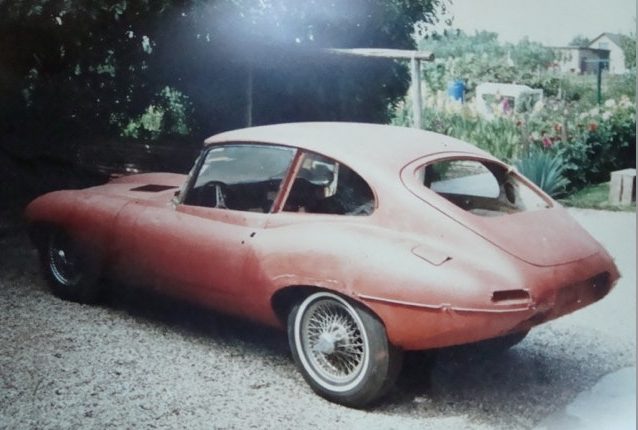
(416, 92)
(415, 58)
(249, 96)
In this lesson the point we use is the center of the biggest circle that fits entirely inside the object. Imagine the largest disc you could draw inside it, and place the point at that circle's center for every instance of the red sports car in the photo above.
(362, 240)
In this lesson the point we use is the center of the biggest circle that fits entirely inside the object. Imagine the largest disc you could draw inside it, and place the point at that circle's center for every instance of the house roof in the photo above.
(616, 38)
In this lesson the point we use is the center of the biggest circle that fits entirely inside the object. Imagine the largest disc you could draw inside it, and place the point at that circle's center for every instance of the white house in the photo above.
(613, 43)
(579, 60)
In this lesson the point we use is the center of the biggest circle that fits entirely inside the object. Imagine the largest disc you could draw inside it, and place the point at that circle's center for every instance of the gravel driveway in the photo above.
(140, 361)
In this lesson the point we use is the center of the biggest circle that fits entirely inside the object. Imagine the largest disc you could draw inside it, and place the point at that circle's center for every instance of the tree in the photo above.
(579, 41)
(531, 55)
(629, 49)
(457, 43)
(73, 69)
(73, 65)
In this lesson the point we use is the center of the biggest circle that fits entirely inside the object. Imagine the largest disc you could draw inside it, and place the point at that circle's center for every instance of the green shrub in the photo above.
(499, 137)
(545, 169)
(168, 114)
(617, 86)
(601, 141)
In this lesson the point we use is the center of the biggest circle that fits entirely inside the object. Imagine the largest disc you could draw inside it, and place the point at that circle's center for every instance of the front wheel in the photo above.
(71, 271)
(342, 350)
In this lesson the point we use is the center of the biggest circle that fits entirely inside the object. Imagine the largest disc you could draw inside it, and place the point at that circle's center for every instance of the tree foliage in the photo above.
(72, 69)
(480, 57)
(579, 41)
(456, 43)
(531, 55)
(629, 49)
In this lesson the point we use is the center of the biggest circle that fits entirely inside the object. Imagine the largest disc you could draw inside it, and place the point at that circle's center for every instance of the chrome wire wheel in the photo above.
(72, 270)
(63, 260)
(332, 342)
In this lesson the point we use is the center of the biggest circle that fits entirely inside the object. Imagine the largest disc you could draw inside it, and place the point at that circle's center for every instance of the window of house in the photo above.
(323, 185)
(481, 187)
(240, 177)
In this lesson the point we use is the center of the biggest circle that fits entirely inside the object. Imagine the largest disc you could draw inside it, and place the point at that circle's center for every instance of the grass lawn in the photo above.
(594, 197)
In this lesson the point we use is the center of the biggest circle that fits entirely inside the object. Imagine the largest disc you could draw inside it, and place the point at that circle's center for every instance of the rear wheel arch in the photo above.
(284, 299)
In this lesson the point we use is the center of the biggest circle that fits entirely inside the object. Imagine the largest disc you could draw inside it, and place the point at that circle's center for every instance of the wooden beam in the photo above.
(401, 54)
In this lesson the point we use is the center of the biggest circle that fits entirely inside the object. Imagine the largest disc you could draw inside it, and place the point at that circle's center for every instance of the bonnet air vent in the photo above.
(153, 188)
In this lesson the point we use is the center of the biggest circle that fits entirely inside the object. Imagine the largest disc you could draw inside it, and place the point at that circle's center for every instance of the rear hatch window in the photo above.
(495, 202)
(480, 187)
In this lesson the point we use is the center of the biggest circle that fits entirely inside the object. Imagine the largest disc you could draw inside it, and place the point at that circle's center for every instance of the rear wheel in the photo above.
(71, 271)
(342, 350)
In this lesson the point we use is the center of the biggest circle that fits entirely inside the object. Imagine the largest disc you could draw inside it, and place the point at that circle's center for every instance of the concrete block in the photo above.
(622, 188)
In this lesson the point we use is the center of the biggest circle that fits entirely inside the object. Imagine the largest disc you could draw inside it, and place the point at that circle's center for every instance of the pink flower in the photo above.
(547, 142)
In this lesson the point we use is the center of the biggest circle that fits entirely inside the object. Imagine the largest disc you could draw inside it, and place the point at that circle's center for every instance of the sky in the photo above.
(551, 22)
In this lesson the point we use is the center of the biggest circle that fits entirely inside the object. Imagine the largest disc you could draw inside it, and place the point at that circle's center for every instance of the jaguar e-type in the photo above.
(361, 240)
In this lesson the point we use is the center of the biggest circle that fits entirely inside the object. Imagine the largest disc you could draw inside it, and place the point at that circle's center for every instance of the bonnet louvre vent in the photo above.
(153, 188)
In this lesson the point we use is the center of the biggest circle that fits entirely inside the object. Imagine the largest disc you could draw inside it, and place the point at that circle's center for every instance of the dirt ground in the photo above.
(141, 361)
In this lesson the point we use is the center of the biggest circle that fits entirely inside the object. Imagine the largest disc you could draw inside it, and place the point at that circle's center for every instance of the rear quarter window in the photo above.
(325, 186)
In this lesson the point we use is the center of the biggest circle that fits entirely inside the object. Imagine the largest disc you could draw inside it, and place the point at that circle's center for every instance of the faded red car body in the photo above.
(434, 274)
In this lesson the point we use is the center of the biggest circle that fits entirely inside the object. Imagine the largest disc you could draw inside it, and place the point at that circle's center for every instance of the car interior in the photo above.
(480, 187)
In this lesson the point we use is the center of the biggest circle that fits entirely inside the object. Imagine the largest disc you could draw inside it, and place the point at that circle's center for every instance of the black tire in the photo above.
(342, 350)
(71, 271)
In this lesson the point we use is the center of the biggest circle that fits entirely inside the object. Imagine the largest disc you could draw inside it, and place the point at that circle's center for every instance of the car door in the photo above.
(202, 246)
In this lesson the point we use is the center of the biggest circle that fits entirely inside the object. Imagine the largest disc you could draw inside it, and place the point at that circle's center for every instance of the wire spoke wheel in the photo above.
(72, 270)
(341, 349)
(334, 342)
(64, 260)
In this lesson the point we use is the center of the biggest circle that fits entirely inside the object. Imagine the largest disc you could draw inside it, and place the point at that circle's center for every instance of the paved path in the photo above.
(611, 402)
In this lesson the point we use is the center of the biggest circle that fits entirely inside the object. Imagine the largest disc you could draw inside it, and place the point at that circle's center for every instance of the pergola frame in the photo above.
(415, 58)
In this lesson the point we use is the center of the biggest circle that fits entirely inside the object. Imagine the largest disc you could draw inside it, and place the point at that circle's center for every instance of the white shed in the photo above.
(494, 98)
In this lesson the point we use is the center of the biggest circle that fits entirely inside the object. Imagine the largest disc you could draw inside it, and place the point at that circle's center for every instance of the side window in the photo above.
(323, 185)
(240, 177)
(480, 187)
